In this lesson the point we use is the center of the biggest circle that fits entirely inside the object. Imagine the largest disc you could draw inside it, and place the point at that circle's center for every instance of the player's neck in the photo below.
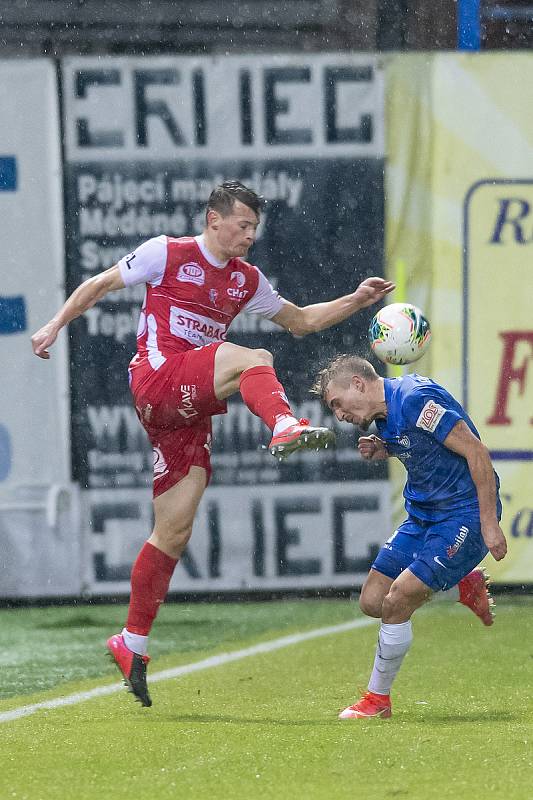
(381, 404)
(212, 246)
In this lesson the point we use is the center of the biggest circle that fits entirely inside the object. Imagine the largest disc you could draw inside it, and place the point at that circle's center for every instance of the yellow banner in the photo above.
(498, 321)
(460, 221)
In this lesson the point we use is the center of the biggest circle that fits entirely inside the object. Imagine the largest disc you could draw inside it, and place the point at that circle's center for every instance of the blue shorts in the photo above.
(438, 553)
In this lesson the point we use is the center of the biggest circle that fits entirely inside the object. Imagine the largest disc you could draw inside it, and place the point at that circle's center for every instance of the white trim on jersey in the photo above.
(156, 358)
(200, 241)
(266, 301)
(146, 264)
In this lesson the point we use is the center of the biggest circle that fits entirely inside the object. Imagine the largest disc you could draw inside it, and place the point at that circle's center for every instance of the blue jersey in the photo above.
(420, 415)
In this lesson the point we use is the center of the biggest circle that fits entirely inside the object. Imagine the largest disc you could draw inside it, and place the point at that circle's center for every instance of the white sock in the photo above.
(284, 423)
(135, 642)
(393, 643)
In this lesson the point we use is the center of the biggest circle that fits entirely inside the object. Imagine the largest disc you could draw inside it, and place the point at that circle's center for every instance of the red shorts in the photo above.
(175, 404)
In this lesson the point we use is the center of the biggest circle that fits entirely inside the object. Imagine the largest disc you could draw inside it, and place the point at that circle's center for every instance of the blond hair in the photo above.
(341, 369)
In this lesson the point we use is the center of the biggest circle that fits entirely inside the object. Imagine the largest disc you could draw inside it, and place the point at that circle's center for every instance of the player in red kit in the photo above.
(184, 371)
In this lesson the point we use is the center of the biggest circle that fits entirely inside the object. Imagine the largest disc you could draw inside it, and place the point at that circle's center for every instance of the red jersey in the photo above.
(190, 299)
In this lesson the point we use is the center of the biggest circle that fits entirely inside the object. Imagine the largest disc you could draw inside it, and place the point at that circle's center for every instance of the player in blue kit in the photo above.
(451, 497)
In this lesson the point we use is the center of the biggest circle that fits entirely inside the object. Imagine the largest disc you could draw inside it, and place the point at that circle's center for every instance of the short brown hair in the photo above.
(224, 196)
(343, 367)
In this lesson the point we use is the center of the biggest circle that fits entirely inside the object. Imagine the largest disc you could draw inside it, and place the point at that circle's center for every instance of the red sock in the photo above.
(264, 395)
(150, 577)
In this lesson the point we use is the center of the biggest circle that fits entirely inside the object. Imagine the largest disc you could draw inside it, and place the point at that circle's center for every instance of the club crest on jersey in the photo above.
(236, 291)
(191, 273)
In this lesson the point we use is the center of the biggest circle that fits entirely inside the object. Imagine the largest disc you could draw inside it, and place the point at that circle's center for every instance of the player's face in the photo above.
(350, 402)
(236, 233)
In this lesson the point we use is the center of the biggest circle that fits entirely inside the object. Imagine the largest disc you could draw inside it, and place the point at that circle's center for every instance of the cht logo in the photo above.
(236, 292)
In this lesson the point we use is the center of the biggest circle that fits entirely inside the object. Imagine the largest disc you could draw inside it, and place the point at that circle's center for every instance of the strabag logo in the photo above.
(195, 328)
(191, 273)
(430, 416)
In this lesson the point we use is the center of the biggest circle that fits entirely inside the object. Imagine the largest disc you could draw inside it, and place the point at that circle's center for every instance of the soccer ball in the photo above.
(399, 334)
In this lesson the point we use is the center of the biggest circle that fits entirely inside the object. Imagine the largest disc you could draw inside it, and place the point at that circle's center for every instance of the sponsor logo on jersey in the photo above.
(188, 395)
(191, 273)
(459, 541)
(195, 328)
(160, 465)
(430, 416)
(236, 292)
(403, 456)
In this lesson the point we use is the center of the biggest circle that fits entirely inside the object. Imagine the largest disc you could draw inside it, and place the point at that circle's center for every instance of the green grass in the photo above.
(266, 726)
(43, 648)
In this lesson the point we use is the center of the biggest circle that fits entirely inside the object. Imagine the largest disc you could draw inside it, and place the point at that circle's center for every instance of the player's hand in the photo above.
(372, 290)
(495, 541)
(372, 448)
(43, 339)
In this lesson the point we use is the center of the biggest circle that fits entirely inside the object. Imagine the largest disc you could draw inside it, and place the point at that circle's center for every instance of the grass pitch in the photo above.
(266, 726)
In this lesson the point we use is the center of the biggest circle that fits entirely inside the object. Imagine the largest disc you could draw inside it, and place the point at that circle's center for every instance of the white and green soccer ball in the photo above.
(399, 333)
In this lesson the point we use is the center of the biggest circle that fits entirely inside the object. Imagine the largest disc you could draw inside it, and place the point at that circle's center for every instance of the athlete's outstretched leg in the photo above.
(251, 372)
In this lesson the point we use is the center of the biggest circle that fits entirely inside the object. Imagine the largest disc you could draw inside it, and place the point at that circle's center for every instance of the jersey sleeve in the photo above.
(146, 264)
(428, 411)
(265, 301)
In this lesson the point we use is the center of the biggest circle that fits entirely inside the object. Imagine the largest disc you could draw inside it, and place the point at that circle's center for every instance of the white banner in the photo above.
(232, 107)
(283, 537)
(34, 412)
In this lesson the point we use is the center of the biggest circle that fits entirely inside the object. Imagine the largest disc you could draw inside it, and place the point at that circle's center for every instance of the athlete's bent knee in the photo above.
(264, 357)
(371, 607)
(395, 600)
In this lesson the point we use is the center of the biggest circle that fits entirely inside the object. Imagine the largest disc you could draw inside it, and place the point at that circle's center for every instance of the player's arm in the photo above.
(317, 317)
(463, 442)
(84, 297)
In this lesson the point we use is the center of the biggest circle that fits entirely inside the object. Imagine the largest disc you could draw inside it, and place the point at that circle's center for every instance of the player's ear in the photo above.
(213, 218)
(358, 383)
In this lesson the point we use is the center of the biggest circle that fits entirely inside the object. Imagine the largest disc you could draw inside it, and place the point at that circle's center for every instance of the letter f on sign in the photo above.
(509, 374)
